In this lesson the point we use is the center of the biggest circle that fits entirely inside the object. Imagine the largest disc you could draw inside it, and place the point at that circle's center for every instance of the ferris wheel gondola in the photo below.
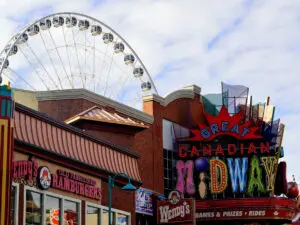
(58, 21)
(45, 24)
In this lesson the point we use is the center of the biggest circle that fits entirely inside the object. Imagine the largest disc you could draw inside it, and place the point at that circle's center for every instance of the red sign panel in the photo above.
(183, 211)
(268, 213)
(224, 124)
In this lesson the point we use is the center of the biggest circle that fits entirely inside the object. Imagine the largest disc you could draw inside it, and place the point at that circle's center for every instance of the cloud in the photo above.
(254, 43)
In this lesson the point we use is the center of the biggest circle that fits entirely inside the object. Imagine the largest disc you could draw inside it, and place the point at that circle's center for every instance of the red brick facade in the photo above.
(185, 111)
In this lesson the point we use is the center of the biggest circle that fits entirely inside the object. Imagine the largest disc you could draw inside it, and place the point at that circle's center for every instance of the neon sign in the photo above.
(224, 124)
(247, 166)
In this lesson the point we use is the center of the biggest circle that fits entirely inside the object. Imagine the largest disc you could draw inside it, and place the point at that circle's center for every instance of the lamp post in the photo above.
(111, 185)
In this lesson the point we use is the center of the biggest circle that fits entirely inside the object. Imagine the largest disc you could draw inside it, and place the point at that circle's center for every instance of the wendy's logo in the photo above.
(44, 177)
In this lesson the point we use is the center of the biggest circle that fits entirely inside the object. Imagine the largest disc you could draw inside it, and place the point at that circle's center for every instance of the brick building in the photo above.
(145, 141)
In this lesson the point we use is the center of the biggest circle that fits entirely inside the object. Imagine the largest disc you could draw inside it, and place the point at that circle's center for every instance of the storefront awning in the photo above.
(37, 129)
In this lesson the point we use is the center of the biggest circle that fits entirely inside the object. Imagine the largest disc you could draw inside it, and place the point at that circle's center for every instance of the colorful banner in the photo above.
(143, 201)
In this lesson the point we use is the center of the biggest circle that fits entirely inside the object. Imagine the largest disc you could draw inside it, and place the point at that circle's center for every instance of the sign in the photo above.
(246, 214)
(224, 124)
(207, 166)
(174, 197)
(230, 150)
(173, 213)
(77, 184)
(25, 171)
(29, 173)
(144, 201)
(44, 178)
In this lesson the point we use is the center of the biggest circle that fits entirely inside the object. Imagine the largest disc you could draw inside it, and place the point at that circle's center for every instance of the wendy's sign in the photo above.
(167, 212)
(224, 124)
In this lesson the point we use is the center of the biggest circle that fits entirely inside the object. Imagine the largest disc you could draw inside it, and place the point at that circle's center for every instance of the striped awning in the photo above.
(37, 129)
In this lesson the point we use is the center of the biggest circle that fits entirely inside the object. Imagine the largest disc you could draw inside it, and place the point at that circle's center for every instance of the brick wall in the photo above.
(148, 142)
(186, 112)
(65, 108)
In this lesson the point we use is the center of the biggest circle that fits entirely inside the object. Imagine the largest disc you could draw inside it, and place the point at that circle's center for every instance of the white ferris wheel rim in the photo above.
(13, 41)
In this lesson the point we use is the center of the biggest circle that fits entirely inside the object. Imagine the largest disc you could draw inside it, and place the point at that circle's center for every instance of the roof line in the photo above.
(63, 125)
(186, 92)
(105, 121)
(98, 99)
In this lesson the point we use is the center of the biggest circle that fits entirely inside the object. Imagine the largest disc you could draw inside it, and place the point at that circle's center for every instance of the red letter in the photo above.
(182, 154)
(264, 148)
(15, 170)
(194, 152)
(82, 189)
(30, 170)
(54, 181)
(219, 150)
(251, 149)
(207, 150)
(231, 146)
(242, 149)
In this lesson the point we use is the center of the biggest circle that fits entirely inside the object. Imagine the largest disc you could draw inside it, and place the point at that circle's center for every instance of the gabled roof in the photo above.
(37, 129)
(102, 114)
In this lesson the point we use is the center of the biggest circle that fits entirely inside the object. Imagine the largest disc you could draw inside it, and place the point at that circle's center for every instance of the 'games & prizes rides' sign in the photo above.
(175, 209)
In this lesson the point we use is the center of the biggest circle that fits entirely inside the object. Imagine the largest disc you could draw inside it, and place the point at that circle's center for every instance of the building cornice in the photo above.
(98, 99)
(186, 92)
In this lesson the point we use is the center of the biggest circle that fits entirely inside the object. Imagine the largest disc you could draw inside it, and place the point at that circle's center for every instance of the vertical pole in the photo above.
(6, 151)
(109, 199)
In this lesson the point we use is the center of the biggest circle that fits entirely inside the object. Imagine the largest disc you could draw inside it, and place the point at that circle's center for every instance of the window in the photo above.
(33, 208)
(14, 204)
(52, 207)
(171, 131)
(169, 170)
(92, 216)
(122, 219)
(104, 218)
(71, 211)
(45, 208)
(98, 215)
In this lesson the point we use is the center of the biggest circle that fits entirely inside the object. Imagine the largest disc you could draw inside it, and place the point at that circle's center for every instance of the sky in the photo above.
(255, 43)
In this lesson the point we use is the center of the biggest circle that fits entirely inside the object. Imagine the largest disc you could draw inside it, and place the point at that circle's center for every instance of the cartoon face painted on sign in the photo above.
(44, 177)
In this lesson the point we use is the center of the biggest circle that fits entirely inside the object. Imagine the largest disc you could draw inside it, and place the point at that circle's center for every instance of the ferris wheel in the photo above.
(71, 50)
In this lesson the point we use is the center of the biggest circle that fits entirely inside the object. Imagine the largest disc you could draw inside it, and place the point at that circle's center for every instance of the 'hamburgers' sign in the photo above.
(175, 210)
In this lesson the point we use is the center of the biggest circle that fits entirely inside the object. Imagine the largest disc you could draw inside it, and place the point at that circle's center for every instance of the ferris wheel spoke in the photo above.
(60, 58)
(76, 50)
(21, 78)
(108, 73)
(42, 65)
(5, 74)
(35, 70)
(85, 49)
(122, 85)
(51, 60)
(68, 57)
(94, 62)
(101, 70)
